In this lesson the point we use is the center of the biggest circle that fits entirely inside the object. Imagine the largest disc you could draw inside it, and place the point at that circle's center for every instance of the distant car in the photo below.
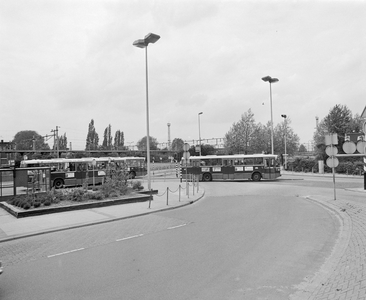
(1, 267)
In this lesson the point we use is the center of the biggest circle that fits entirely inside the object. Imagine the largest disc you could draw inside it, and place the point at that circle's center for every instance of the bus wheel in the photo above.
(58, 183)
(256, 177)
(132, 175)
(207, 177)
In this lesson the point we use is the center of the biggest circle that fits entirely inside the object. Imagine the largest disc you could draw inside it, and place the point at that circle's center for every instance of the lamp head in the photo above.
(270, 79)
(149, 38)
(284, 116)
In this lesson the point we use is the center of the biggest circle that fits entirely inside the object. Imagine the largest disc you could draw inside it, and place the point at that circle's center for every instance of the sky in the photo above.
(66, 62)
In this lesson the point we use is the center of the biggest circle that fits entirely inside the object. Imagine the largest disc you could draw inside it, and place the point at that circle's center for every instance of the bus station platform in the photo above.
(171, 193)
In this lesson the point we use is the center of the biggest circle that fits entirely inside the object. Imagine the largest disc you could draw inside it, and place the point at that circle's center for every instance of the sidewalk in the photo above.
(167, 198)
(343, 275)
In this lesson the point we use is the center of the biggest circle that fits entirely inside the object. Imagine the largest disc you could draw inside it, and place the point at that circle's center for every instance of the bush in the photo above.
(136, 185)
(96, 196)
(347, 165)
(37, 204)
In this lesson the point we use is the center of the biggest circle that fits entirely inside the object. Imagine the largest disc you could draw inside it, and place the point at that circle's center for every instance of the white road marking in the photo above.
(129, 237)
(66, 252)
(173, 227)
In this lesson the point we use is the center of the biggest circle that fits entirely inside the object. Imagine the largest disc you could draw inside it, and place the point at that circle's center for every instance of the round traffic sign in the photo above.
(349, 147)
(332, 162)
(361, 147)
(186, 147)
(331, 151)
(186, 155)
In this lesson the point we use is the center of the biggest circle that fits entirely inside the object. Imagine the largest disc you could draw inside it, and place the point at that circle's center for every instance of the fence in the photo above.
(18, 181)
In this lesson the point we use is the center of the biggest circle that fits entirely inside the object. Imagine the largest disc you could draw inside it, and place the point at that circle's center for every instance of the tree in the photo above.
(302, 148)
(29, 140)
(92, 139)
(261, 141)
(119, 140)
(141, 144)
(62, 142)
(339, 120)
(177, 145)
(237, 139)
(107, 140)
(207, 149)
(281, 131)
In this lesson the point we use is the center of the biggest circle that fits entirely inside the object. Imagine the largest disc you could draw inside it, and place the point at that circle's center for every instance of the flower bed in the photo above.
(74, 198)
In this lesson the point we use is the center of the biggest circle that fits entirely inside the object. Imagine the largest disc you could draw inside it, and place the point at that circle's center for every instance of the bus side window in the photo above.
(72, 167)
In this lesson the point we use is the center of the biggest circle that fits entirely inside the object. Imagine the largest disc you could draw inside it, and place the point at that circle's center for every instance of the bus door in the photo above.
(228, 169)
(269, 168)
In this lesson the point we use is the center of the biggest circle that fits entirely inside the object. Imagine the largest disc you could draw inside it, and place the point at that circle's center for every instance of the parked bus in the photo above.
(238, 166)
(74, 171)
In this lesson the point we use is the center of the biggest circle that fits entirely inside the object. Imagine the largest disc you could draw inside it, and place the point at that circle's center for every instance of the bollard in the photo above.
(167, 195)
(179, 193)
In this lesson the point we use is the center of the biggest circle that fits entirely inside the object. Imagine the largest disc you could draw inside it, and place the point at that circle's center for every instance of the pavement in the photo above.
(342, 276)
(171, 193)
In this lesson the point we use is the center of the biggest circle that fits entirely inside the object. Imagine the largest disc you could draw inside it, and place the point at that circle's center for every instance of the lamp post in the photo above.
(143, 43)
(199, 130)
(285, 120)
(270, 80)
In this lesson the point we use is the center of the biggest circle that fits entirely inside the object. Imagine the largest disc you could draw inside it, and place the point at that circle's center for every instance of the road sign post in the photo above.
(331, 151)
(186, 156)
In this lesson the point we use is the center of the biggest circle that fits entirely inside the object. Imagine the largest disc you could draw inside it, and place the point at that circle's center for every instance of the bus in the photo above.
(229, 167)
(74, 171)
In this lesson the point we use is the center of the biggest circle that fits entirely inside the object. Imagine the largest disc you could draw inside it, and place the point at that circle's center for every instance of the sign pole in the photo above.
(333, 171)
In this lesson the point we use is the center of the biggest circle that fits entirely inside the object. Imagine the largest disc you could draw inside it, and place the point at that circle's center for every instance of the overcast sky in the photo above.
(63, 63)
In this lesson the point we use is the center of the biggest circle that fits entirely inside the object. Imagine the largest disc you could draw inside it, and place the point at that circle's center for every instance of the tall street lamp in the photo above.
(143, 43)
(285, 120)
(270, 80)
(199, 130)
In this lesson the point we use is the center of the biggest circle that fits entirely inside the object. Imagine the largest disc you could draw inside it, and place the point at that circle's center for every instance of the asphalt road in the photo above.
(244, 240)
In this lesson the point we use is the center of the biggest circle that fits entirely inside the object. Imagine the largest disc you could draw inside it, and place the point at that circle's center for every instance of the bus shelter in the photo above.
(18, 181)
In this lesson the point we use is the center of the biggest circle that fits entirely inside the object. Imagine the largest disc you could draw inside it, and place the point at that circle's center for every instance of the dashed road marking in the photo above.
(174, 227)
(129, 237)
(66, 252)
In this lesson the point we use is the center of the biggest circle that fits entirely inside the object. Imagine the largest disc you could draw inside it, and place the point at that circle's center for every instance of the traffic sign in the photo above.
(331, 151)
(186, 155)
(186, 147)
(349, 147)
(331, 139)
(332, 162)
(361, 147)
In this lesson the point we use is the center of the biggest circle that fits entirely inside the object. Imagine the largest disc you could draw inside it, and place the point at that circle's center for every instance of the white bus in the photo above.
(74, 171)
(238, 166)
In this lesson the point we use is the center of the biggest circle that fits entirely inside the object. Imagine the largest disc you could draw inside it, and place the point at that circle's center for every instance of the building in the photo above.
(6, 159)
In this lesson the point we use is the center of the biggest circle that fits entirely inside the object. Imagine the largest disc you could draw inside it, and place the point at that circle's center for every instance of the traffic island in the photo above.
(60, 207)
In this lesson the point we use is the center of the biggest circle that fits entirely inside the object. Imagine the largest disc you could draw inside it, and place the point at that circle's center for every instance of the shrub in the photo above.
(26, 205)
(37, 204)
(96, 196)
(136, 185)
(347, 165)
